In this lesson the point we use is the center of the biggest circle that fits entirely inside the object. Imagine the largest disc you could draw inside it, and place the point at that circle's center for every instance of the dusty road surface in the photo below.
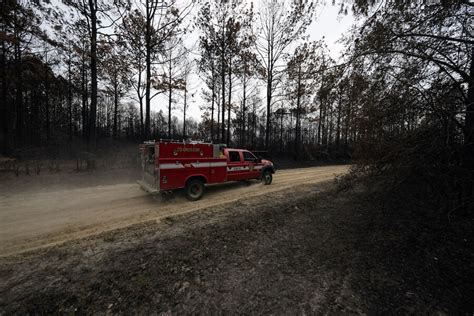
(36, 219)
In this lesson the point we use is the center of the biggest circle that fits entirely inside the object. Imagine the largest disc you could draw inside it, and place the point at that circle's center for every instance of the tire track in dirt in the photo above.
(29, 221)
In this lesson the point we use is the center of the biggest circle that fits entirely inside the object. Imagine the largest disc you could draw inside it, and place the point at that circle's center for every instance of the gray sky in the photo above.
(328, 24)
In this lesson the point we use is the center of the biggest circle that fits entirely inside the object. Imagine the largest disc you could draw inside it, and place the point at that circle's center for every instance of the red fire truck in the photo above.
(168, 165)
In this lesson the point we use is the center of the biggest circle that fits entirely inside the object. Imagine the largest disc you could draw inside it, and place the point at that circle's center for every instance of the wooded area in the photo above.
(79, 72)
(362, 204)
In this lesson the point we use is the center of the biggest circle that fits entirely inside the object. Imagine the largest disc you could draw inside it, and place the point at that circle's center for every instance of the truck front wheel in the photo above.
(267, 178)
(194, 189)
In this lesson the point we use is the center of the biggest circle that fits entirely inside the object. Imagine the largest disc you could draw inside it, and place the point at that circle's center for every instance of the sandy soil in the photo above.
(43, 217)
(301, 249)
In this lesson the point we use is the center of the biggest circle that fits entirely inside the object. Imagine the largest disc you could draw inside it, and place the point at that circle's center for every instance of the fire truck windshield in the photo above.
(248, 156)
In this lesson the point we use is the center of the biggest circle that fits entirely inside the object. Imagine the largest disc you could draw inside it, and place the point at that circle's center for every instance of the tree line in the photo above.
(86, 71)
(82, 71)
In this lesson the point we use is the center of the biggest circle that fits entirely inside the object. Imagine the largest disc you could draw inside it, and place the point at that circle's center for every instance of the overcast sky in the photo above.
(328, 24)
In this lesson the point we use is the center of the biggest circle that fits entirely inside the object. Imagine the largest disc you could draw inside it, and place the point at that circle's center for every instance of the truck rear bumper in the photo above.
(147, 187)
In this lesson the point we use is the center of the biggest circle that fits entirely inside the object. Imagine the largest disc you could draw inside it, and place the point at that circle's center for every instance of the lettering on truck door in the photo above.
(236, 170)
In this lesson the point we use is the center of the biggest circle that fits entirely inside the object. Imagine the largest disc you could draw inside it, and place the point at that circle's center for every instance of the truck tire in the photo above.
(267, 177)
(194, 189)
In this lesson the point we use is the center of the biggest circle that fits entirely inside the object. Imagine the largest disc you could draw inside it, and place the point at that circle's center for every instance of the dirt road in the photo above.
(32, 220)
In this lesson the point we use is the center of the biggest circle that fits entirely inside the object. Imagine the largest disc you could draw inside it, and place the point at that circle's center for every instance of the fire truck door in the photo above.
(236, 170)
(250, 161)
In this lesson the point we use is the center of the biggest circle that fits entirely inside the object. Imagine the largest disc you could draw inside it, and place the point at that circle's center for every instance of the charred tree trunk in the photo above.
(213, 96)
(47, 105)
(140, 97)
(85, 92)
(269, 103)
(254, 132)
(298, 116)
(223, 98)
(148, 48)
(4, 106)
(244, 109)
(170, 97)
(184, 111)
(321, 118)
(69, 98)
(19, 95)
(469, 127)
(91, 140)
(229, 102)
(218, 114)
(338, 126)
(116, 102)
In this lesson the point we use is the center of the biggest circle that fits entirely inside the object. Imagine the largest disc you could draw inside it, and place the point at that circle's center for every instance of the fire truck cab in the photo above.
(169, 165)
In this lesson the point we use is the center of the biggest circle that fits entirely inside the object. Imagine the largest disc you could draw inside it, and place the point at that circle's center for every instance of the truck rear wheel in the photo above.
(194, 189)
(267, 178)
